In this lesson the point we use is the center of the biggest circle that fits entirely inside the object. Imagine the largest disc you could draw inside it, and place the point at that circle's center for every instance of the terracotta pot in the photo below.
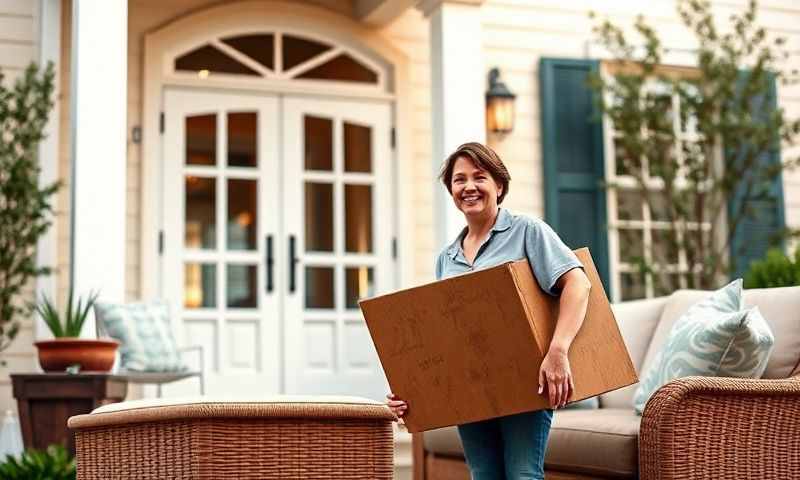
(92, 355)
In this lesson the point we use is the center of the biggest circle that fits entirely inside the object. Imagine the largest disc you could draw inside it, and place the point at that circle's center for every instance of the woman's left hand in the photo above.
(556, 376)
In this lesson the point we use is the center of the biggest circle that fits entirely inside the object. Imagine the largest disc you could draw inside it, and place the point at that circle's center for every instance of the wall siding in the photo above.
(19, 45)
(518, 32)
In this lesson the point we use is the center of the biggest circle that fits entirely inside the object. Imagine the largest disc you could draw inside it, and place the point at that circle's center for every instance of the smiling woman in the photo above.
(512, 446)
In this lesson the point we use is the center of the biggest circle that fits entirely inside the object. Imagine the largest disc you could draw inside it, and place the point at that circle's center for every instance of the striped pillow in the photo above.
(144, 333)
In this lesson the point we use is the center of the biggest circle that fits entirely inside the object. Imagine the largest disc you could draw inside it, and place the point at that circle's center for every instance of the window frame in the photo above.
(629, 183)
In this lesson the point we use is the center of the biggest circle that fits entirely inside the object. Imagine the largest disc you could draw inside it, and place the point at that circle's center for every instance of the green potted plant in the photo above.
(67, 349)
(55, 463)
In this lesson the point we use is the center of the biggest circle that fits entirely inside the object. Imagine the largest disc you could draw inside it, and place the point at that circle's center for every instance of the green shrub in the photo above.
(53, 464)
(776, 270)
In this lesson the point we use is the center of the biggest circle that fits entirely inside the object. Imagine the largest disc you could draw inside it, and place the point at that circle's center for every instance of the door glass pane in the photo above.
(342, 67)
(241, 285)
(209, 59)
(319, 287)
(242, 214)
(297, 50)
(260, 48)
(357, 148)
(200, 285)
(201, 216)
(319, 217)
(201, 140)
(318, 134)
(358, 218)
(242, 150)
(360, 284)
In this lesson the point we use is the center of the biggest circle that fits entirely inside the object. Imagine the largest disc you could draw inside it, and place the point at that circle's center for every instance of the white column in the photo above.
(458, 85)
(47, 248)
(99, 103)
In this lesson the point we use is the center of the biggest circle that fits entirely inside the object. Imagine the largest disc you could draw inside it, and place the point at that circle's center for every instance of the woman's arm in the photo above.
(555, 370)
(574, 286)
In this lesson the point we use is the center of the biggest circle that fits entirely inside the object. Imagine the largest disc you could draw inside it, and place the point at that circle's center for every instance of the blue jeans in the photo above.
(507, 448)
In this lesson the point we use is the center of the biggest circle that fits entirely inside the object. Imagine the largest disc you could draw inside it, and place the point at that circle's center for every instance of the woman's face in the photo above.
(474, 190)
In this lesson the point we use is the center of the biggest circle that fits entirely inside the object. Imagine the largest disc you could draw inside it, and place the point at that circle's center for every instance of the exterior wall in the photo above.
(518, 32)
(19, 45)
(410, 33)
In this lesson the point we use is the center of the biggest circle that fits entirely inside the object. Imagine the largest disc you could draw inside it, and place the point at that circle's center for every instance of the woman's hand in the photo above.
(556, 376)
(396, 405)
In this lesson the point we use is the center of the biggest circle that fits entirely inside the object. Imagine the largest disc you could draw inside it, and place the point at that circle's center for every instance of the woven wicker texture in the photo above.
(244, 444)
(711, 428)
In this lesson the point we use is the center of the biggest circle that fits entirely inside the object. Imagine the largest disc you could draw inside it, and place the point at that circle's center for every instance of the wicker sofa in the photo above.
(695, 427)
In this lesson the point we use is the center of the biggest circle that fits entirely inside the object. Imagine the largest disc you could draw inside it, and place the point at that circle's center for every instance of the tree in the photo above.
(725, 101)
(25, 206)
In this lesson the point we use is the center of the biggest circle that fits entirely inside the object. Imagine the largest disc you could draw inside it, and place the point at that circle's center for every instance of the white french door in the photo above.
(337, 156)
(277, 219)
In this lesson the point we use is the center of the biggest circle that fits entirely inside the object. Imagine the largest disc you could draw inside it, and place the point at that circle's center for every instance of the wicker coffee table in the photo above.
(282, 437)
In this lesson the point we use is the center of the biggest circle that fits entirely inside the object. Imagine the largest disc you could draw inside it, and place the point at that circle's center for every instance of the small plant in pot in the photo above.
(67, 350)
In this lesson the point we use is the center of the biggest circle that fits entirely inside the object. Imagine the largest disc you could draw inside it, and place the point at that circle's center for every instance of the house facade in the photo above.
(263, 164)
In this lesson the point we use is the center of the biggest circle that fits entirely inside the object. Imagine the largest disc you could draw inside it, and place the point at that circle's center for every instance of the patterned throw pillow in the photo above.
(144, 333)
(716, 337)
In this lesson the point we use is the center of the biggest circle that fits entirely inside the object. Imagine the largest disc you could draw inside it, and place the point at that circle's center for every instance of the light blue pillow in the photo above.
(716, 337)
(144, 333)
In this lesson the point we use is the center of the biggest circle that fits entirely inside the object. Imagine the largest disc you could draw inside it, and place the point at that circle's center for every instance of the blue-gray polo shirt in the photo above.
(513, 237)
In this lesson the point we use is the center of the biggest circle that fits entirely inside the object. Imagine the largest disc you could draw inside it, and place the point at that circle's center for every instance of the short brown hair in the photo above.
(484, 158)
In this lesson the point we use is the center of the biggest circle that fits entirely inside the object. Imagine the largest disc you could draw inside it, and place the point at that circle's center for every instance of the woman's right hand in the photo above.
(396, 405)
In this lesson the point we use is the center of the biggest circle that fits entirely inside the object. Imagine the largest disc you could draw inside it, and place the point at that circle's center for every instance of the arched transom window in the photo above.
(276, 55)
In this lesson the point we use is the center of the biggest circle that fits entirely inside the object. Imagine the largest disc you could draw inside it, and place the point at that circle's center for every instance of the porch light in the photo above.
(499, 105)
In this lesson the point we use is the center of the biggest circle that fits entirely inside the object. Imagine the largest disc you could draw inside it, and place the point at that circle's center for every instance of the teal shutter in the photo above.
(573, 158)
(765, 206)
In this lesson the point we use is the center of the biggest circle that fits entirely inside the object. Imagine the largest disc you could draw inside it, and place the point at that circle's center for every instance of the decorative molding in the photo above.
(428, 6)
(377, 13)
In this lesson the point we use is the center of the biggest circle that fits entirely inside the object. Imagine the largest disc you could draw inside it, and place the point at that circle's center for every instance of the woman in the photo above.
(510, 447)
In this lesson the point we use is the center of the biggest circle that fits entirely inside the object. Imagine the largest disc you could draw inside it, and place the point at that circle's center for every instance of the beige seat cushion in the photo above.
(779, 306)
(148, 403)
(594, 442)
(637, 322)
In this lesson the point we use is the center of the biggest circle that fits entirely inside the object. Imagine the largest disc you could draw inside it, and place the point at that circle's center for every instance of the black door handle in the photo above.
(293, 260)
(270, 264)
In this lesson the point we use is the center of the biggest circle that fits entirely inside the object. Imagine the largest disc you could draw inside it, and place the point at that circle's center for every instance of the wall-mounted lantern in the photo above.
(499, 105)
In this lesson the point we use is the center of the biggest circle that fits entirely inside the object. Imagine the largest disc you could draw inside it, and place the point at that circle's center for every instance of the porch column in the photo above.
(99, 123)
(458, 82)
(47, 248)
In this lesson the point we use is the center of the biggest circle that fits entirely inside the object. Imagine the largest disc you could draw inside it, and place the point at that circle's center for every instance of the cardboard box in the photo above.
(469, 347)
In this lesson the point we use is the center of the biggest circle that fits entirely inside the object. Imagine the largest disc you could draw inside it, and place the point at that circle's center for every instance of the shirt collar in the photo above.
(501, 224)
